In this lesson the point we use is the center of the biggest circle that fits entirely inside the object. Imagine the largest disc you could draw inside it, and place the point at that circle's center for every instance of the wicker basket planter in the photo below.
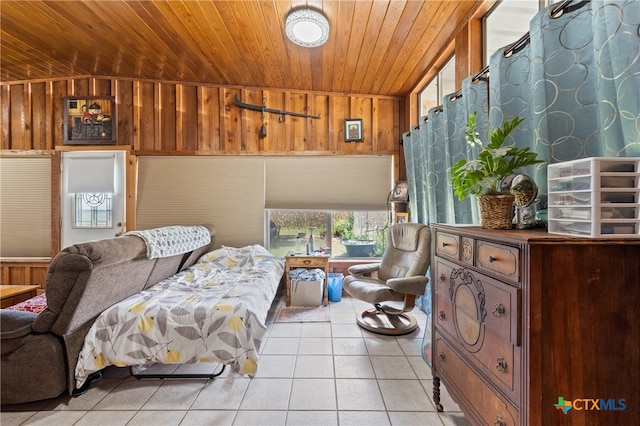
(495, 211)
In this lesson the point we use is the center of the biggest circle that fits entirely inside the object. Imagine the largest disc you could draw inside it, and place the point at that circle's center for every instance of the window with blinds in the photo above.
(226, 192)
(25, 185)
(328, 183)
(334, 200)
(232, 193)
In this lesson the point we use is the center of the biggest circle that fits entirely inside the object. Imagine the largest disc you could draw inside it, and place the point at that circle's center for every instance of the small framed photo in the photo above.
(353, 130)
(400, 192)
(401, 218)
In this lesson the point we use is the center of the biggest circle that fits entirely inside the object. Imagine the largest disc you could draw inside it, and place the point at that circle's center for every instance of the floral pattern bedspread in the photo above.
(213, 311)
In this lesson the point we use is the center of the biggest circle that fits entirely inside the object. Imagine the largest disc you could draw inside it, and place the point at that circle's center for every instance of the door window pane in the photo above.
(92, 210)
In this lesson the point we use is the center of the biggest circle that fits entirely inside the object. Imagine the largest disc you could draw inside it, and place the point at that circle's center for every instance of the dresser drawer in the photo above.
(503, 306)
(493, 355)
(499, 360)
(442, 273)
(493, 304)
(447, 245)
(443, 316)
(486, 404)
(498, 259)
(496, 357)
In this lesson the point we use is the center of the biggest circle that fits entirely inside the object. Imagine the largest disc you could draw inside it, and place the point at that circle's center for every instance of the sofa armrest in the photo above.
(409, 285)
(364, 269)
(15, 324)
(33, 364)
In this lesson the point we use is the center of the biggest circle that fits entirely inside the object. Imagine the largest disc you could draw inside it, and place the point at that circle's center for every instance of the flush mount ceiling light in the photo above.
(307, 28)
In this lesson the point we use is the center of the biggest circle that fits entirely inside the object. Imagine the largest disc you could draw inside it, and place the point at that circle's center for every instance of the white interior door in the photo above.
(93, 196)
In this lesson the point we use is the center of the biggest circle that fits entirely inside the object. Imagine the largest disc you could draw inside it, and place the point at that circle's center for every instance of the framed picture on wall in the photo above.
(400, 192)
(89, 120)
(353, 130)
(401, 218)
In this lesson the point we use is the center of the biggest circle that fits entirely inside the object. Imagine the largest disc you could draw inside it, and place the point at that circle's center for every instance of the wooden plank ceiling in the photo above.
(376, 47)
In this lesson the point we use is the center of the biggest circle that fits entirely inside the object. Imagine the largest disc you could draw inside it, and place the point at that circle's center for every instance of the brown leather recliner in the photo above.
(398, 277)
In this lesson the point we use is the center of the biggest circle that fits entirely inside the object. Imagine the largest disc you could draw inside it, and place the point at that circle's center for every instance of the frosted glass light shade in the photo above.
(307, 28)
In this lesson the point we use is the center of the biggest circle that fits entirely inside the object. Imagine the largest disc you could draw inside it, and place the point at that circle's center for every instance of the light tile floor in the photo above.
(329, 373)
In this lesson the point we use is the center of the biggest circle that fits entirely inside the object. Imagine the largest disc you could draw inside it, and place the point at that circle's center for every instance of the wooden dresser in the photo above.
(526, 323)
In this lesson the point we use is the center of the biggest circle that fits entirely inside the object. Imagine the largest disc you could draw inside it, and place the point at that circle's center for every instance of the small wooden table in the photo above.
(321, 262)
(12, 294)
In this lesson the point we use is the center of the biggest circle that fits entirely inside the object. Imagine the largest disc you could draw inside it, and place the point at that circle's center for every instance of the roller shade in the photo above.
(25, 228)
(227, 192)
(91, 174)
(231, 193)
(328, 183)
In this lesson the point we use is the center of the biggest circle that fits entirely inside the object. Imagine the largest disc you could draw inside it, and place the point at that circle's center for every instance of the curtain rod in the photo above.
(554, 13)
(563, 7)
(480, 76)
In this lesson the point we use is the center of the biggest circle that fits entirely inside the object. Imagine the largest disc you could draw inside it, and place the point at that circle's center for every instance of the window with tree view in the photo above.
(335, 233)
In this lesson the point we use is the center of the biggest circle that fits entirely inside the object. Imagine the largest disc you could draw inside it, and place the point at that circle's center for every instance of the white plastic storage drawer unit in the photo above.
(595, 197)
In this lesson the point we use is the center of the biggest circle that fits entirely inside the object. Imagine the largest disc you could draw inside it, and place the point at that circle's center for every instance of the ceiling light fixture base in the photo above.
(307, 27)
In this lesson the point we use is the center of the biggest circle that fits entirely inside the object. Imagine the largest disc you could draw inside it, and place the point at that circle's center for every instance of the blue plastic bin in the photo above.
(335, 286)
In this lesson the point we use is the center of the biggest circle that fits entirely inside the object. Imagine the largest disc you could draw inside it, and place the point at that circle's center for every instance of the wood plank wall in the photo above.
(162, 118)
(32, 271)
(169, 118)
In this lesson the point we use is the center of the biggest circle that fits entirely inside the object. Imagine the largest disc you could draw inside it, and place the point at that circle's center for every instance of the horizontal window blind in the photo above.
(328, 183)
(25, 185)
(226, 192)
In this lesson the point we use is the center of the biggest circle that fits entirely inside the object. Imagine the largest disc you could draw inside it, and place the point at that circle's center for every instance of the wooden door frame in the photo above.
(130, 196)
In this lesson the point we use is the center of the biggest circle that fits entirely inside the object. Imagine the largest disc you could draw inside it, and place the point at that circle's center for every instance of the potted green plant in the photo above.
(482, 177)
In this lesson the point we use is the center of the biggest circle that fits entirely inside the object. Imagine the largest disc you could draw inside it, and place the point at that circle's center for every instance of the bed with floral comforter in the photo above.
(213, 311)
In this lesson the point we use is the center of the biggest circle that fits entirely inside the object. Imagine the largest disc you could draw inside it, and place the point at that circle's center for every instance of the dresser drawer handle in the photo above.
(499, 421)
(441, 316)
(442, 278)
(492, 259)
(444, 244)
(306, 261)
(442, 357)
(501, 364)
(499, 310)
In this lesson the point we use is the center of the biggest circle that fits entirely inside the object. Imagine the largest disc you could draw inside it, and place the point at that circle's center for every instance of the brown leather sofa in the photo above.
(39, 352)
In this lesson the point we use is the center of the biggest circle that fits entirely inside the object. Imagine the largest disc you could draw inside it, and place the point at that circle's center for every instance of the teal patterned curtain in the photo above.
(416, 177)
(575, 78)
(412, 160)
(585, 76)
(434, 146)
(510, 97)
(617, 45)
